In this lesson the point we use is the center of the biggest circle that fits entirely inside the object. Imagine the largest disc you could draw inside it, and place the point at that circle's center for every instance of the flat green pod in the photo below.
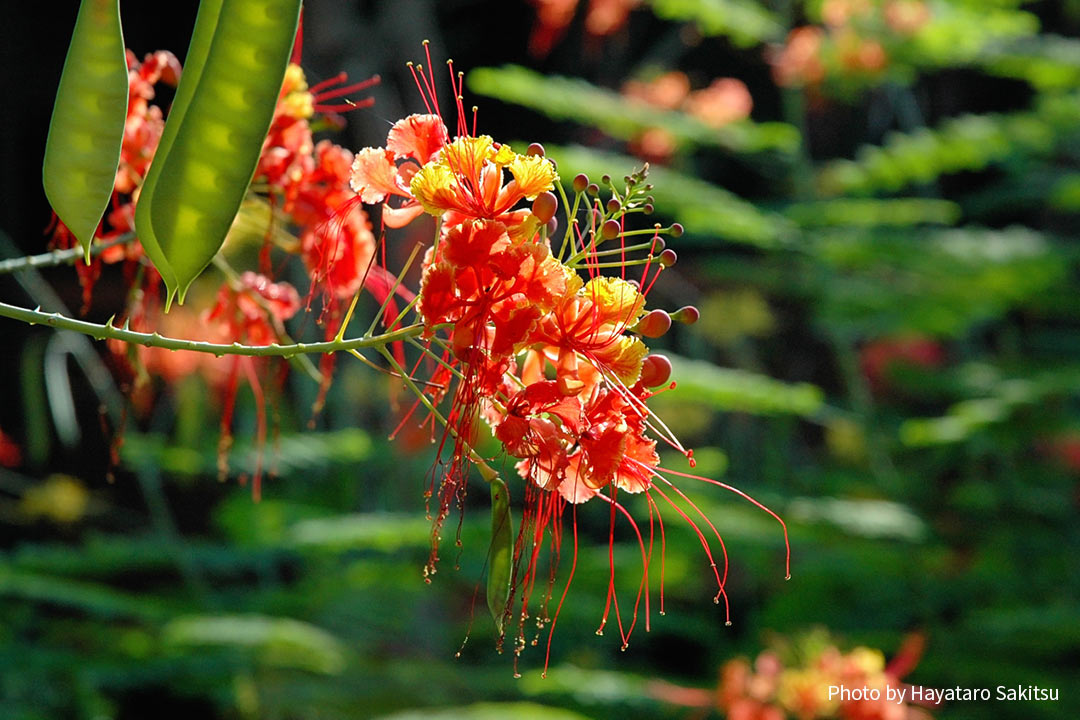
(87, 126)
(501, 552)
(205, 171)
(194, 62)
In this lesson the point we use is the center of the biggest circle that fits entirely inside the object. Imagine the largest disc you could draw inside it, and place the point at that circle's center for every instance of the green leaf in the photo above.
(873, 212)
(732, 390)
(489, 711)
(965, 143)
(746, 22)
(87, 127)
(275, 641)
(703, 209)
(566, 98)
(501, 552)
(90, 598)
(205, 172)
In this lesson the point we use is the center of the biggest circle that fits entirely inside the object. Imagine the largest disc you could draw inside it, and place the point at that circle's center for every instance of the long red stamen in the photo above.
(663, 543)
(644, 585)
(338, 92)
(562, 598)
(740, 493)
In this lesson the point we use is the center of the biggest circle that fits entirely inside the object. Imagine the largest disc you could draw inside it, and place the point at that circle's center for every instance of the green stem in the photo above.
(60, 257)
(109, 332)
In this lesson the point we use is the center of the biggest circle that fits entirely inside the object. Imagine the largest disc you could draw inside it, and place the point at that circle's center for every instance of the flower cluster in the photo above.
(854, 43)
(537, 334)
(723, 101)
(553, 17)
(800, 681)
(528, 336)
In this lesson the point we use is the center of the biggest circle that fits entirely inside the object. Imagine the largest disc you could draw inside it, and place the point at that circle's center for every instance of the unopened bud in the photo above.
(610, 230)
(613, 205)
(653, 324)
(581, 181)
(535, 149)
(592, 189)
(649, 208)
(605, 179)
(544, 206)
(687, 315)
(658, 245)
(655, 371)
(552, 226)
(668, 258)
(676, 230)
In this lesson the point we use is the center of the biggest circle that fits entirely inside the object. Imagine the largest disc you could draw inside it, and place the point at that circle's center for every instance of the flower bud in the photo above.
(593, 189)
(581, 181)
(655, 371)
(676, 230)
(613, 205)
(544, 206)
(653, 324)
(649, 208)
(535, 149)
(668, 258)
(610, 230)
(687, 315)
(552, 226)
(658, 245)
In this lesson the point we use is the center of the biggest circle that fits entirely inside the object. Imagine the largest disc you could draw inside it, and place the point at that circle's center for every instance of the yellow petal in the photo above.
(617, 301)
(466, 155)
(533, 173)
(433, 186)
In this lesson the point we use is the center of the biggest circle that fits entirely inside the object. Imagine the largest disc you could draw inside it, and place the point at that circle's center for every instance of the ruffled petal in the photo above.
(417, 136)
(374, 175)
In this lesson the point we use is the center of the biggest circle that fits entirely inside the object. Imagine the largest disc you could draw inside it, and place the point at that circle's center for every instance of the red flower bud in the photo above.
(687, 315)
(654, 324)
(655, 371)
(610, 230)
(544, 207)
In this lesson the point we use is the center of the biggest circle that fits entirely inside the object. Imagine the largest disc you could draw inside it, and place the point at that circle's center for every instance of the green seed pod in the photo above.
(194, 63)
(206, 170)
(501, 553)
(87, 126)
